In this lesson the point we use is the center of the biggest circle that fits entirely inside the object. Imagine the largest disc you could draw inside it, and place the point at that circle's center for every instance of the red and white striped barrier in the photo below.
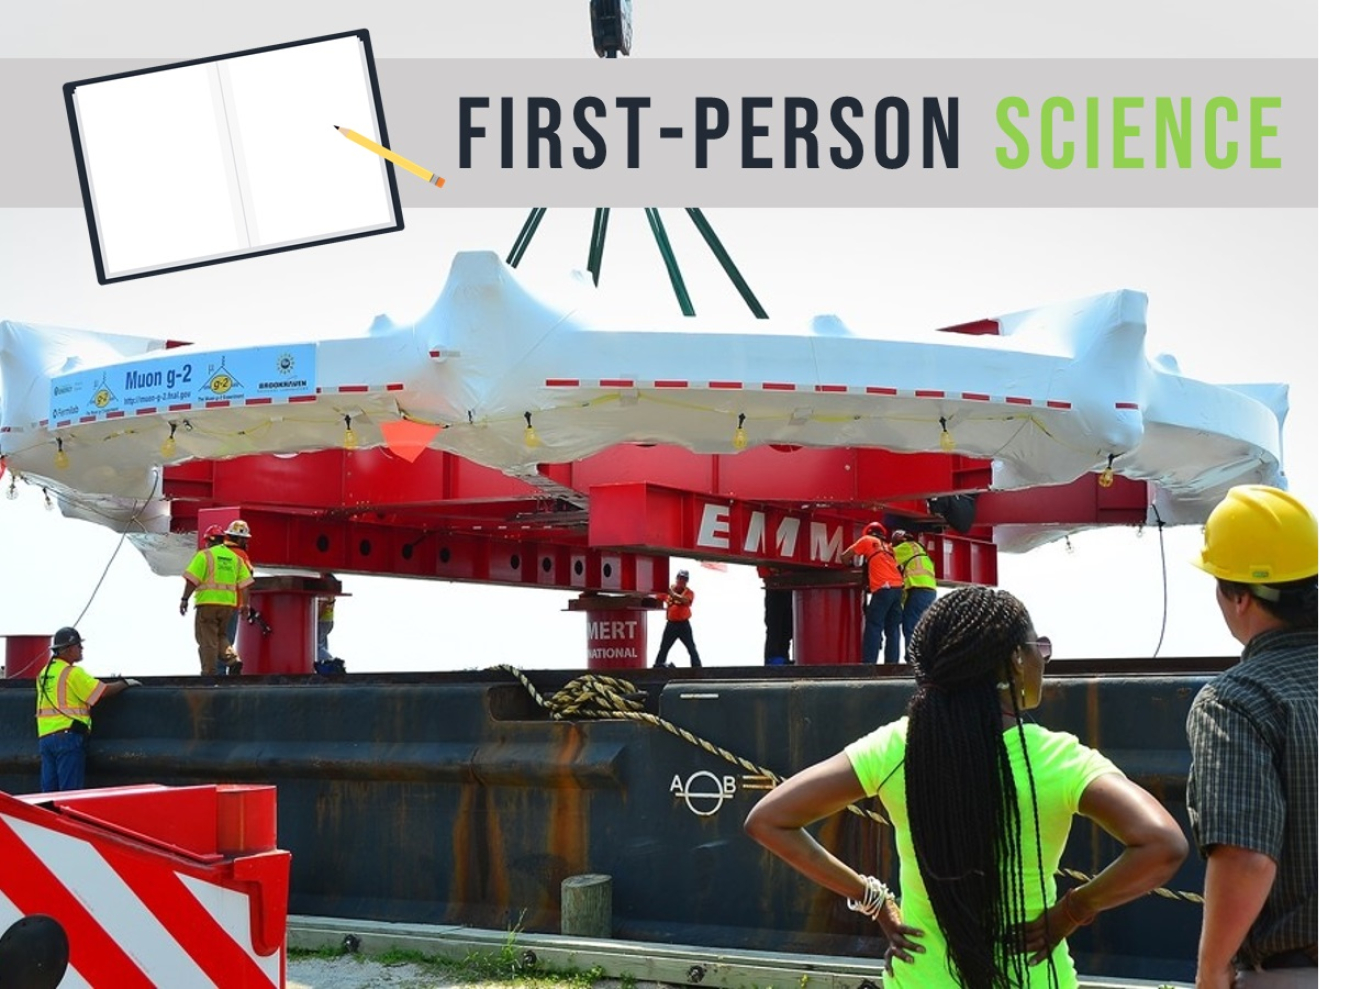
(153, 886)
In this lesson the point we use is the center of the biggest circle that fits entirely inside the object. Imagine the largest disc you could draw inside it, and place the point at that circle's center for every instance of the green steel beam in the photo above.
(728, 265)
(525, 236)
(598, 228)
(668, 256)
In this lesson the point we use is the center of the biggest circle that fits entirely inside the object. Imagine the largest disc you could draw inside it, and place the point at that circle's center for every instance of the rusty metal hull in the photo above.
(456, 799)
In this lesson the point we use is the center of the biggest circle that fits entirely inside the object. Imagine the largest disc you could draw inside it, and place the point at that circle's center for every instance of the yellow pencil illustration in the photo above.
(365, 142)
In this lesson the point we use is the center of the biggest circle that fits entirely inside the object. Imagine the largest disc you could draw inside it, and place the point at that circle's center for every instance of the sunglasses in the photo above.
(1042, 646)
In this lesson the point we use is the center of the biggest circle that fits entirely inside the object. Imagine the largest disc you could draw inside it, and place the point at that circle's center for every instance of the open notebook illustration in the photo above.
(224, 158)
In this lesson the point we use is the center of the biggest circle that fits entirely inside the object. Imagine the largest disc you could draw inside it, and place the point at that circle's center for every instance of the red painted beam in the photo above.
(962, 559)
(347, 546)
(842, 476)
(337, 479)
(665, 521)
(657, 519)
(1081, 502)
(367, 479)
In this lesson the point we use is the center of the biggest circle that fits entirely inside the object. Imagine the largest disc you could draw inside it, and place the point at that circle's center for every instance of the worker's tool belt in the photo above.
(1298, 958)
(78, 728)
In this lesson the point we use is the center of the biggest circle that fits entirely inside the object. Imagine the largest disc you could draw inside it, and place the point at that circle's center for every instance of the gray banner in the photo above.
(1243, 113)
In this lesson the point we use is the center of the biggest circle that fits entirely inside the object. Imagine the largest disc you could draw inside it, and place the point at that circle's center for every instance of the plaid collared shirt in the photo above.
(1253, 780)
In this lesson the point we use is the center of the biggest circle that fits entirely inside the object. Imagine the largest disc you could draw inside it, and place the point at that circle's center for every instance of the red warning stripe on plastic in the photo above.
(32, 888)
(562, 382)
(190, 924)
(616, 382)
(729, 385)
(922, 393)
(1127, 405)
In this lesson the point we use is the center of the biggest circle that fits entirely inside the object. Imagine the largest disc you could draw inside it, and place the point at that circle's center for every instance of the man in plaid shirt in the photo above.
(1252, 792)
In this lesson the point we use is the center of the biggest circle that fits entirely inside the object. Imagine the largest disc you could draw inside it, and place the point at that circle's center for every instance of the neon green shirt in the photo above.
(1063, 768)
(217, 574)
(915, 565)
(65, 693)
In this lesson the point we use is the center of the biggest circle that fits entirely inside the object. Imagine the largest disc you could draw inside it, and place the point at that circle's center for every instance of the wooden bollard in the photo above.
(587, 905)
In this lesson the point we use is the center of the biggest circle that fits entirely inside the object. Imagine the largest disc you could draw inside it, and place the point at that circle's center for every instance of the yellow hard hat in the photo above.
(1259, 535)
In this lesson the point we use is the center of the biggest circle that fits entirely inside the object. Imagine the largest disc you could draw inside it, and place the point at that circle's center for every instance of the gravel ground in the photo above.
(353, 972)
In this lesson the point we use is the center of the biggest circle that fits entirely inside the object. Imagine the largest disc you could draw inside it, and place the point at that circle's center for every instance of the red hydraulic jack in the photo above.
(144, 886)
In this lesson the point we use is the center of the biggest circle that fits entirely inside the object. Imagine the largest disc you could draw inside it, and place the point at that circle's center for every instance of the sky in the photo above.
(1233, 296)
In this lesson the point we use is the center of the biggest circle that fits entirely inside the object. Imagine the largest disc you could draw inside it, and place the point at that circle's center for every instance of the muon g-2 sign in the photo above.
(181, 380)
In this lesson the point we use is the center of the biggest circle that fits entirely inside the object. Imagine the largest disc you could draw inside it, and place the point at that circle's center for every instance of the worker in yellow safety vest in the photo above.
(217, 579)
(326, 603)
(920, 581)
(65, 695)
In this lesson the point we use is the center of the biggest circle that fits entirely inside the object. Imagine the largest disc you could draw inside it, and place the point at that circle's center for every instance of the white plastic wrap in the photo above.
(1062, 391)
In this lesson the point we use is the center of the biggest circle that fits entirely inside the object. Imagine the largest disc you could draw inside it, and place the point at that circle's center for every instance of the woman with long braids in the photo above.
(982, 802)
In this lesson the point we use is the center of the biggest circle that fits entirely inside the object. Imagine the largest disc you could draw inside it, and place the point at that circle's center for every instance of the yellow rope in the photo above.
(594, 695)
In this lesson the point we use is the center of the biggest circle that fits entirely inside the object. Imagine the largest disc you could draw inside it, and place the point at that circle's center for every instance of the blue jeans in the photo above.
(62, 761)
(322, 645)
(917, 601)
(883, 616)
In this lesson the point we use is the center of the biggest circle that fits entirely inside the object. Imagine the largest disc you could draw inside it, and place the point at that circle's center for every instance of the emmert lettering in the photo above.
(612, 629)
(825, 541)
(769, 133)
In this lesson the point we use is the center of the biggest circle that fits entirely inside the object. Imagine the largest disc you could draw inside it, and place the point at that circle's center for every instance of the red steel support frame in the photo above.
(511, 557)
(608, 524)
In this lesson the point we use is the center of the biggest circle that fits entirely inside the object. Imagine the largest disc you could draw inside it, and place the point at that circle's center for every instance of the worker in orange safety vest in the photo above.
(679, 609)
(885, 584)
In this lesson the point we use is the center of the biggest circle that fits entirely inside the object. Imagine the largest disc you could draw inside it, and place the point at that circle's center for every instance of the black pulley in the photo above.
(34, 953)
